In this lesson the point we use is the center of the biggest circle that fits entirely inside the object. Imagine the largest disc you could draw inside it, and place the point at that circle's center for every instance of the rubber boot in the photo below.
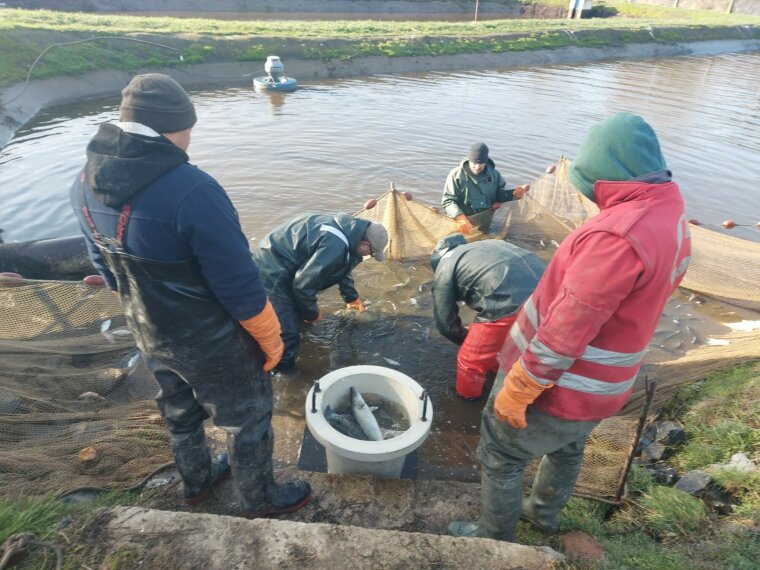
(220, 471)
(252, 472)
(500, 507)
(552, 488)
(194, 464)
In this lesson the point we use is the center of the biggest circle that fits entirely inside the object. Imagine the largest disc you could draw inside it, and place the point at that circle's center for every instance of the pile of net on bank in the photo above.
(76, 403)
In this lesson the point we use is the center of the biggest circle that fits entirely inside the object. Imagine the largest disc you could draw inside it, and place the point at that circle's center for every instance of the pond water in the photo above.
(332, 144)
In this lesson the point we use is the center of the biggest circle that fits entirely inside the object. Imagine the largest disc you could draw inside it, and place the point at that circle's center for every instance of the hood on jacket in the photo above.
(121, 164)
(620, 148)
(445, 245)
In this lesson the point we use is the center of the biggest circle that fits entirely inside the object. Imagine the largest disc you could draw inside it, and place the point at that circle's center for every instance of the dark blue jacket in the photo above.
(178, 212)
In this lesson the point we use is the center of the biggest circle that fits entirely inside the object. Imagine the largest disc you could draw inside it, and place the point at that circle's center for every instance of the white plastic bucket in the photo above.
(347, 455)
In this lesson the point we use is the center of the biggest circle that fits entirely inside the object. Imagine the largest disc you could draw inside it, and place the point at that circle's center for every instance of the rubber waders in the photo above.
(552, 488)
(500, 508)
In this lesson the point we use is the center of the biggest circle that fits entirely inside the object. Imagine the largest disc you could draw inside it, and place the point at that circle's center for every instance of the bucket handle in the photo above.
(314, 392)
(424, 398)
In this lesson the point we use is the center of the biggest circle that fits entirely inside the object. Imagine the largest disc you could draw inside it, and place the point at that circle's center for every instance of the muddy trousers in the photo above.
(504, 452)
(238, 400)
(477, 355)
(290, 324)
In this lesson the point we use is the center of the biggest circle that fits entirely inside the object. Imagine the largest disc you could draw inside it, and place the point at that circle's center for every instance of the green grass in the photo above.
(41, 517)
(663, 528)
(24, 34)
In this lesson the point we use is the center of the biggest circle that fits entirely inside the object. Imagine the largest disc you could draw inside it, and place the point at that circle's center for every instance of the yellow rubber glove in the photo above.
(464, 226)
(518, 392)
(265, 330)
(356, 305)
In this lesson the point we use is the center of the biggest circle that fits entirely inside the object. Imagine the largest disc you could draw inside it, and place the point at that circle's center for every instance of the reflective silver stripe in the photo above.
(530, 312)
(517, 337)
(445, 255)
(548, 357)
(610, 358)
(335, 232)
(138, 129)
(542, 381)
(590, 386)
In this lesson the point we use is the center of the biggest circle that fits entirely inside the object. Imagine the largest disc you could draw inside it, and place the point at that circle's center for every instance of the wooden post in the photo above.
(570, 9)
(477, 2)
(730, 6)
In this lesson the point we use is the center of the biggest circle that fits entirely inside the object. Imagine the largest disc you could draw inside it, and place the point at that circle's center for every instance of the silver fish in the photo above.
(364, 416)
(343, 424)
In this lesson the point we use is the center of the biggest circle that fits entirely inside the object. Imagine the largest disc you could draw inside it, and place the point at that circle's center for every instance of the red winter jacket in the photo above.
(587, 326)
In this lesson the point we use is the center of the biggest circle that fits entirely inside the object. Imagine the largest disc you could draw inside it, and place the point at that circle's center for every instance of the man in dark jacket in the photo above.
(166, 238)
(474, 187)
(493, 278)
(308, 254)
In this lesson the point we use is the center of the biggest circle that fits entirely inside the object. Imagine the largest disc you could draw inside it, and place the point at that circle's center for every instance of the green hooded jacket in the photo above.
(308, 254)
(465, 193)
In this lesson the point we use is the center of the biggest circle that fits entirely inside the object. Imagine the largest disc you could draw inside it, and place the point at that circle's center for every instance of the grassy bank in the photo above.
(664, 528)
(24, 34)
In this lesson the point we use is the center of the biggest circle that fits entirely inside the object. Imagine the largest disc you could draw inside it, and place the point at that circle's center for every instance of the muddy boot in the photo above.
(260, 495)
(552, 488)
(220, 471)
(199, 474)
(500, 504)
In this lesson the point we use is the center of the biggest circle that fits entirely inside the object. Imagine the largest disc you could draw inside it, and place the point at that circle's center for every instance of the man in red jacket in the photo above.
(576, 347)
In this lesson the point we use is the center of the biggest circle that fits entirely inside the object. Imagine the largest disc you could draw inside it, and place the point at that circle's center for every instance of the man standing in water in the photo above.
(166, 238)
(573, 354)
(476, 186)
(308, 254)
(493, 278)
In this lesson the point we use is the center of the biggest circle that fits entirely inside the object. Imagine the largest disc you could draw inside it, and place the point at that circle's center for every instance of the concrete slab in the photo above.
(162, 539)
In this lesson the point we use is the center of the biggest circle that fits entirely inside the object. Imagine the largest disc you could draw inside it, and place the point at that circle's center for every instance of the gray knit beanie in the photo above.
(157, 101)
(478, 153)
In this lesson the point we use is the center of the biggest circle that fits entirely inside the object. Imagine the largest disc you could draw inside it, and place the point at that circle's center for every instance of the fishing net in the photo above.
(76, 402)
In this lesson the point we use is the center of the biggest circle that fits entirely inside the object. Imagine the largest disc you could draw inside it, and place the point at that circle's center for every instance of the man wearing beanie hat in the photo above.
(308, 254)
(476, 186)
(574, 352)
(166, 238)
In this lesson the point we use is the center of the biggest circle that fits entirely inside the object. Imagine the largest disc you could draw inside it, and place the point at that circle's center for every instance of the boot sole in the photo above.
(192, 501)
(537, 525)
(281, 511)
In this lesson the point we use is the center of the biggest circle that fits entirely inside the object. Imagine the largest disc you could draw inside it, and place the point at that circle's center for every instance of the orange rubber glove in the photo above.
(464, 226)
(319, 318)
(356, 305)
(265, 330)
(520, 191)
(518, 392)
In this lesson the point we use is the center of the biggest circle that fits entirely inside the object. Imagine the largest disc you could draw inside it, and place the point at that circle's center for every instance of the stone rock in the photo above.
(718, 499)
(658, 437)
(662, 473)
(694, 482)
(579, 545)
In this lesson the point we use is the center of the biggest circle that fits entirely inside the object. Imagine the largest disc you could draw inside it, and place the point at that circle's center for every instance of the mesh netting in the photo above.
(76, 402)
